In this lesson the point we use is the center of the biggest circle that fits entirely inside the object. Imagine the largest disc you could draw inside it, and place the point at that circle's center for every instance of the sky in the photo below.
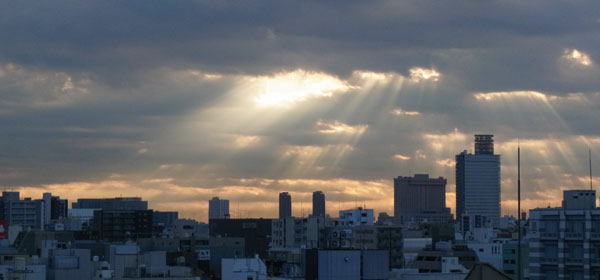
(180, 101)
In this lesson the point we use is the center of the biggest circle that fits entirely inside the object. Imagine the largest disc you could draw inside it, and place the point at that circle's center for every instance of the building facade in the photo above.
(218, 208)
(564, 242)
(420, 198)
(478, 181)
(122, 225)
(318, 204)
(285, 205)
(357, 217)
(117, 203)
(294, 232)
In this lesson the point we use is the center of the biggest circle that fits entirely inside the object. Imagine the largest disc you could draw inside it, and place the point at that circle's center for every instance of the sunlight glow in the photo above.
(401, 157)
(419, 74)
(578, 57)
(367, 75)
(490, 96)
(291, 87)
(400, 112)
(337, 127)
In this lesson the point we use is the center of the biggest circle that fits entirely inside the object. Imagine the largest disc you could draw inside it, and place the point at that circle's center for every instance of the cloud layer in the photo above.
(183, 101)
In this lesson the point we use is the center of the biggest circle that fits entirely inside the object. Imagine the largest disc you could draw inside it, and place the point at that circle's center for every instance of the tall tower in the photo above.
(318, 205)
(218, 208)
(285, 205)
(478, 181)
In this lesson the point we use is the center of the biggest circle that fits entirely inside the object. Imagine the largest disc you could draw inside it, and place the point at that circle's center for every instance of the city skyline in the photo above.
(181, 103)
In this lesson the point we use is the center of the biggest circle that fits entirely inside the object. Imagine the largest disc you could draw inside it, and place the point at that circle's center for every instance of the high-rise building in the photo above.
(318, 204)
(218, 208)
(564, 242)
(285, 205)
(478, 181)
(420, 198)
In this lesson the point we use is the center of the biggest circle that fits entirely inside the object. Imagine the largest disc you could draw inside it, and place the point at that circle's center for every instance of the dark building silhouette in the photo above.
(285, 205)
(122, 225)
(318, 204)
(117, 203)
(218, 208)
(165, 218)
(256, 233)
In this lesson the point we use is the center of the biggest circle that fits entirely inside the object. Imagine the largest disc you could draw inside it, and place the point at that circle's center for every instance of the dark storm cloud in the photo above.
(486, 45)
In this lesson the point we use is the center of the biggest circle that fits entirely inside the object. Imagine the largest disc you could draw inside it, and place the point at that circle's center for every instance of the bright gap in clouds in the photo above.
(286, 88)
(577, 57)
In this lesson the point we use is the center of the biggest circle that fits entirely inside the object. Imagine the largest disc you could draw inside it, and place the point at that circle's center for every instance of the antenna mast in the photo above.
(590, 163)
(519, 210)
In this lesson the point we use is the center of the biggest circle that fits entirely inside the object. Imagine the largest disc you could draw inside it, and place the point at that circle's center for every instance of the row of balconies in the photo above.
(569, 235)
(570, 261)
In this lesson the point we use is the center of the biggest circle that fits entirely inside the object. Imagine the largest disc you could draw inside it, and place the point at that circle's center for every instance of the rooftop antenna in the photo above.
(590, 164)
(519, 209)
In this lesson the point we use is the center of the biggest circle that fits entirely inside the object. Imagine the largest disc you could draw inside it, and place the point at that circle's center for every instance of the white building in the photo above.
(243, 269)
(565, 241)
(358, 216)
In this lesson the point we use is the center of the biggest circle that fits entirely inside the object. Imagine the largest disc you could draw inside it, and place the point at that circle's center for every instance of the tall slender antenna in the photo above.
(590, 163)
(519, 210)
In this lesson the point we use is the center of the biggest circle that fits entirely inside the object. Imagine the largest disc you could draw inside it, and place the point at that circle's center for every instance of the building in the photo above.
(256, 233)
(430, 259)
(218, 208)
(420, 199)
(165, 218)
(243, 269)
(55, 209)
(127, 261)
(564, 242)
(346, 264)
(224, 248)
(292, 232)
(373, 237)
(358, 216)
(117, 203)
(70, 264)
(285, 205)
(79, 219)
(478, 181)
(509, 259)
(27, 213)
(122, 225)
(318, 204)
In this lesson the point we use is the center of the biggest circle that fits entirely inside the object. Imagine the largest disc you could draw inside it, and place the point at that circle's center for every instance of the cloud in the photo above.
(284, 88)
(337, 127)
(401, 157)
(202, 98)
(578, 57)
(400, 112)
(418, 74)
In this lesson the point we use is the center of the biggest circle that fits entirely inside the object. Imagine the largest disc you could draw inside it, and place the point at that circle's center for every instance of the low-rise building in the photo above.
(243, 269)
